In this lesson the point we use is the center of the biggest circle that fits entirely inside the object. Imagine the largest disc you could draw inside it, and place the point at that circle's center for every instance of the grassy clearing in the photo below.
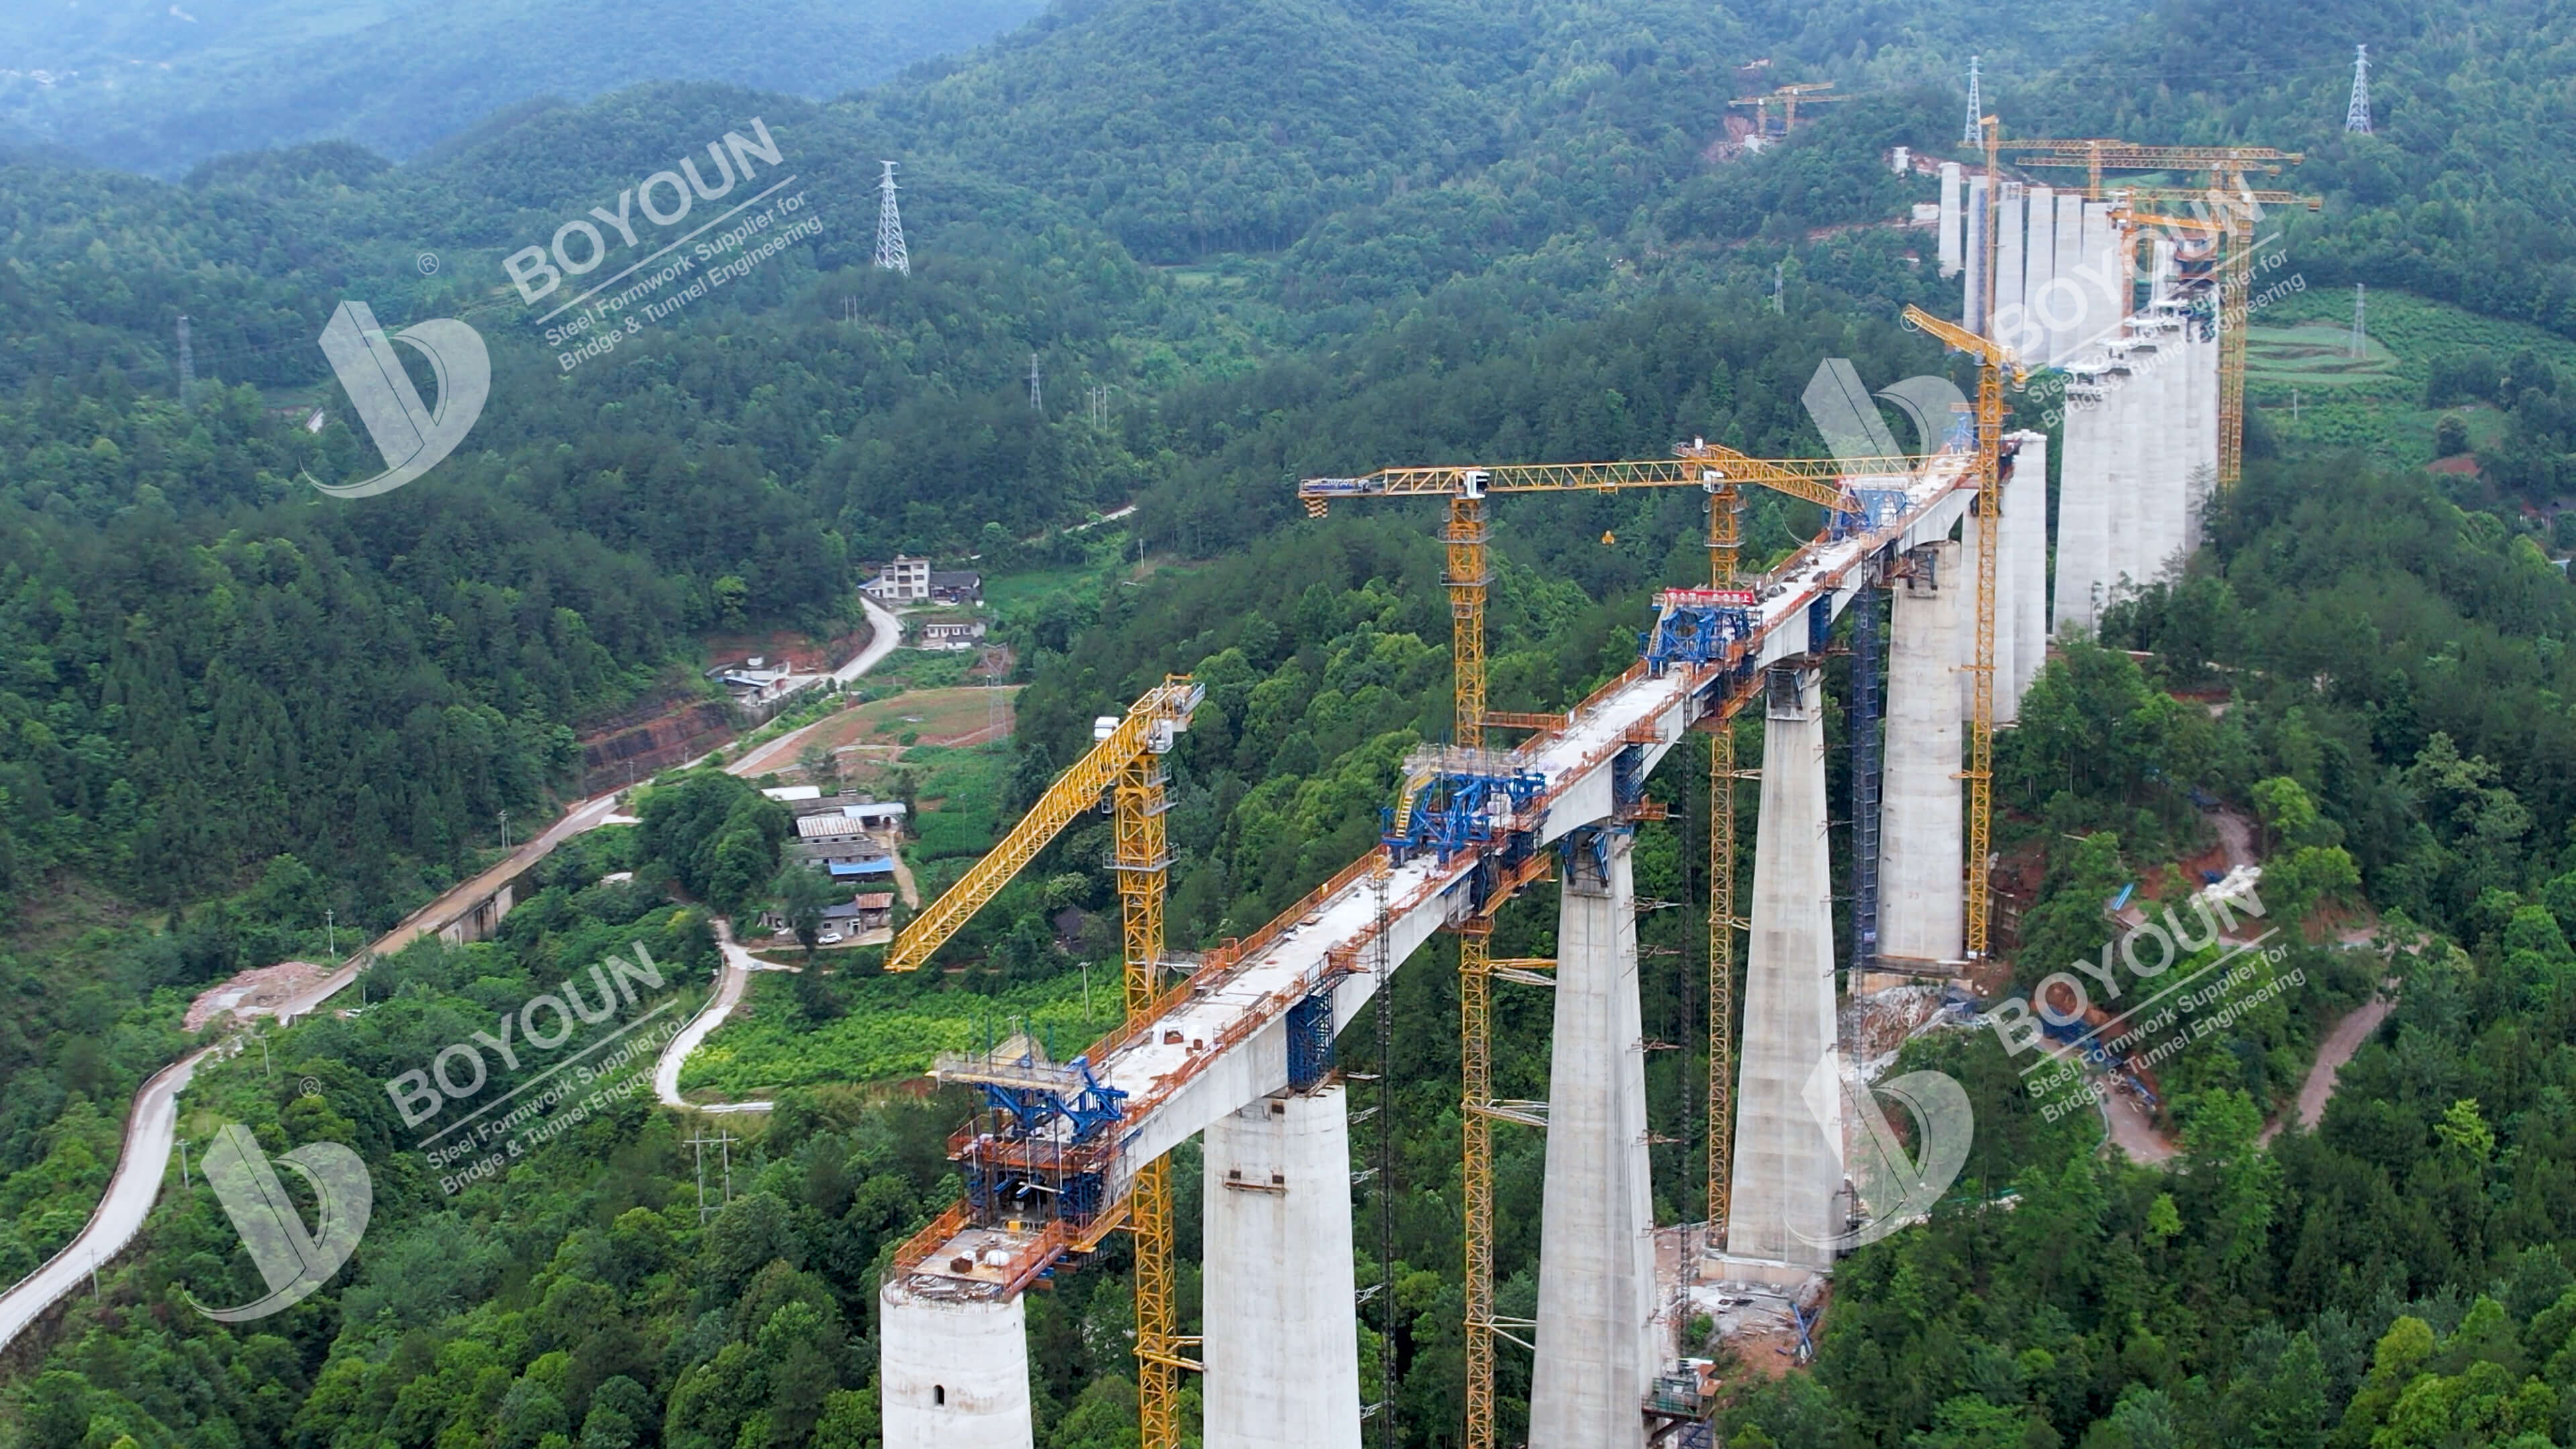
(2375, 404)
(959, 791)
(1008, 591)
(893, 1028)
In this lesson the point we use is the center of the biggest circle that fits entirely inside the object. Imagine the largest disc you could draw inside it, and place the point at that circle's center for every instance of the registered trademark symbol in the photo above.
(427, 262)
(310, 1087)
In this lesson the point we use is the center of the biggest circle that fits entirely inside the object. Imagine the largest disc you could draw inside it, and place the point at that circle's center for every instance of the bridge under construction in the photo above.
(1237, 1047)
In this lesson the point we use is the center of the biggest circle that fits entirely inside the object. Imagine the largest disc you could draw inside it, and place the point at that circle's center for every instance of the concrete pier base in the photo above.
(1787, 1211)
(1597, 1346)
(954, 1372)
(1920, 915)
(1282, 1344)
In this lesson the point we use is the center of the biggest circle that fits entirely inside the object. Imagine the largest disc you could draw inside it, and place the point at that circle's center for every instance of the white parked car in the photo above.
(830, 938)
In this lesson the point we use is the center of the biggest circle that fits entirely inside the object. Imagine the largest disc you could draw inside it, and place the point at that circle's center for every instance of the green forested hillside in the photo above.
(159, 88)
(1287, 238)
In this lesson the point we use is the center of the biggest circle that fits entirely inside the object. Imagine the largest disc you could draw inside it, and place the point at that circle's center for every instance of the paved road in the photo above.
(738, 966)
(151, 1126)
(888, 631)
(120, 1215)
(144, 1160)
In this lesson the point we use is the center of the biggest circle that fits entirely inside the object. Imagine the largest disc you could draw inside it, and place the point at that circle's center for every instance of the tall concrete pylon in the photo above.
(2121, 447)
(1921, 813)
(2010, 228)
(2070, 303)
(2161, 452)
(1597, 1345)
(1953, 183)
(1786, 1212)
(2202, 380)
(2083, 509)
(954, 1372)
(2105, 289)
(1282, 1343)
(2039, 269)
(2026, 546)
(1972, 286)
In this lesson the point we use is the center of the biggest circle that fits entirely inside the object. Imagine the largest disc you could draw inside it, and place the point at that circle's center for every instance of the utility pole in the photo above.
(505, 832)
(187, 363)
(2356, 115)
(701, 1142)
(2360, 339)
(1976, 108)
(331, 932)
(1037, 398)
(183, 1164)
(891, 256)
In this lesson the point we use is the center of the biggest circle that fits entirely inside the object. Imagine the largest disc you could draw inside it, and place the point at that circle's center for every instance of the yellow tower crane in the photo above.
(1125, 763)
(1789, 97)
(1722, 472)
(1993, 362)
(2232, 204)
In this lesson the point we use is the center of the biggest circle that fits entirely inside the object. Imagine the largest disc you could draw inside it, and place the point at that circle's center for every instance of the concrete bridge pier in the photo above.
(1921, 815)
(1282, 1341)
(1597, 1345)
(1787, 1210)
(954, 1372)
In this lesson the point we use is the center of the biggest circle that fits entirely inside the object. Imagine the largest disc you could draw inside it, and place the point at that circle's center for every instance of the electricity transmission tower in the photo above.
(2356, 116)
(1976, 107)
(2360, 339)
(1037, 399)
(891, 256)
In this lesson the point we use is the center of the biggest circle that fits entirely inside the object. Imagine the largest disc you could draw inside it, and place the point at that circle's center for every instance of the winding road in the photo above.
(730, 984)
(151, 1130)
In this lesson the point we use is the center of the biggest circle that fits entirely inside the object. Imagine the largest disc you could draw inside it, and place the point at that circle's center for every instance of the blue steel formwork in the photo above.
(1050, 1141)
(1459, 799)
(1697, 627)
(1310, 1039)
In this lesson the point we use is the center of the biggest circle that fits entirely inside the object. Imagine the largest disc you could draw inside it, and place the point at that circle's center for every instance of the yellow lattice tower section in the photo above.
(1990, 540)
(1724, 538)
(1467, 578)
(1149, 724)
(1137, 806)
(1476, 1092)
